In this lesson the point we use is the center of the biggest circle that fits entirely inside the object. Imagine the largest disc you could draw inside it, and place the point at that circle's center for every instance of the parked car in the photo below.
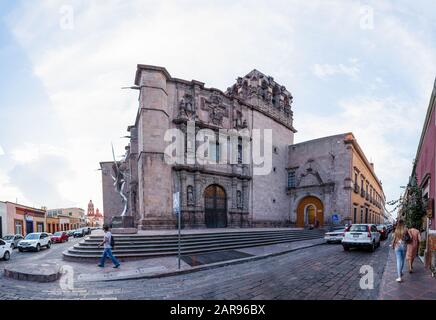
(383, 231)
(5, 250)
(87, 230)
(79, 233)
(13, 239)
(60, 236)
(70, 233)
(335, 235)
(361, 235)
(35, 241)
(390, 227)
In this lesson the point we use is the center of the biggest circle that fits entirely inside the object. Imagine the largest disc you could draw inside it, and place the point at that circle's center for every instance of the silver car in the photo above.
(13, 239)
(335, 235)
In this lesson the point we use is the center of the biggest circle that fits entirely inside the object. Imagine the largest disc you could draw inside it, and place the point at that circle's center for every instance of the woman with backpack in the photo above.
(399, 243)
(412, 247)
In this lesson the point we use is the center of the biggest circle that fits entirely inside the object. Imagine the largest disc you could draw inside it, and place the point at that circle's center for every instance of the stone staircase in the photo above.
(148, 246)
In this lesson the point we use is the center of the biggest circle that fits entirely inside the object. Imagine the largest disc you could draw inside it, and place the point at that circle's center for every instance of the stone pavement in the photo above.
(318, 272)
(418, 285)
(168, 266)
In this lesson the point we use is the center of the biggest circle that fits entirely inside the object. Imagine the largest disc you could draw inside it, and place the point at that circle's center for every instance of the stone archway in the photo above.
(215, 207)
(310, 209)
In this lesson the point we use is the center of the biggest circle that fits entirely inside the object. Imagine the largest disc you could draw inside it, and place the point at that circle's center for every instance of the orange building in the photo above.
(367, 197)
(21, 219)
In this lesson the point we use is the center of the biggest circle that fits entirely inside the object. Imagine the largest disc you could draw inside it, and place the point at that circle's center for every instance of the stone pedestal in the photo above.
(123, 225)
(48, 272)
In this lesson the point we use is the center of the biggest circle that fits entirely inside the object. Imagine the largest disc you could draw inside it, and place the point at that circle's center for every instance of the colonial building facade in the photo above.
(331, 181)
(255, 112)
(21, 219)
(64, 219)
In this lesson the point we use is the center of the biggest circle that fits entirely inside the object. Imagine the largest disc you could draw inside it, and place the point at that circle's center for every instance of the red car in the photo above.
(59, 236)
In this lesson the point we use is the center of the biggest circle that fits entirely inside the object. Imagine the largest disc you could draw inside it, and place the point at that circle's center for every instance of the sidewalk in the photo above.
(167, 266)
(416, 286)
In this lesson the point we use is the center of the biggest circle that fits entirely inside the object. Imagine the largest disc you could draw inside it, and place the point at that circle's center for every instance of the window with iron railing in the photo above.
(291, 179)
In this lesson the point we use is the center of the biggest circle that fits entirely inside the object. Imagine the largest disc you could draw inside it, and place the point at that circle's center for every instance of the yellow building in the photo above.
(367, 197)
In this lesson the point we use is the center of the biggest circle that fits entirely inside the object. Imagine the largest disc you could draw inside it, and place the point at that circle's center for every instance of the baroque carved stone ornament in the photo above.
(216, 109)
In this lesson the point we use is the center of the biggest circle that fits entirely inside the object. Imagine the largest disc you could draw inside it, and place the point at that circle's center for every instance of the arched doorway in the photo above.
(309, 210)
(215, 207)
(311, 214)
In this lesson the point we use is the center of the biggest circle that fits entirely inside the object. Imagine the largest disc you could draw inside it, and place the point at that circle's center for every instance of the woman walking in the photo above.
(399, 245)
(412, 247)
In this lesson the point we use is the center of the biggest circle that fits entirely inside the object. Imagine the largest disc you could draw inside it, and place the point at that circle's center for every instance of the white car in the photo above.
(5, 250)
(335, 236)
(35, 241)
(361, 235)
(13, 239)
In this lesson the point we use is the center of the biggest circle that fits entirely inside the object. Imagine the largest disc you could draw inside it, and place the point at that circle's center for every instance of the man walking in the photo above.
(107, 245)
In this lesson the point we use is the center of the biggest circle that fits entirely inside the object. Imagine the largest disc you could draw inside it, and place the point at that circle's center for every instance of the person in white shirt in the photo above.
(107, 240)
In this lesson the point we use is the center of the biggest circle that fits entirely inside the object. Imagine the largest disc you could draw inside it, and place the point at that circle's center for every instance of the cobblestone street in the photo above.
(320, 272)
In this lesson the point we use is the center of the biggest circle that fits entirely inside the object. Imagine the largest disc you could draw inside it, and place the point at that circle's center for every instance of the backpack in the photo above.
(112, 242)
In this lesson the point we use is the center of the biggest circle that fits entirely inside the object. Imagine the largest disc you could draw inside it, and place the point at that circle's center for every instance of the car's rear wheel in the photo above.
(346, 248)
(19, 249)
(38, 248)
(6, 256)
(48, 245)
(12, 246)
(372, 247)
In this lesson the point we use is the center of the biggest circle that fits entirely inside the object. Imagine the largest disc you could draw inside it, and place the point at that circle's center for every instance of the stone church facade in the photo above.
(325, 176)
(212, 195)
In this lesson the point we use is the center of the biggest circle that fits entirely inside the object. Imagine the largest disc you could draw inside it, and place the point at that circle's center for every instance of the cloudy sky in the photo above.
(361, 66)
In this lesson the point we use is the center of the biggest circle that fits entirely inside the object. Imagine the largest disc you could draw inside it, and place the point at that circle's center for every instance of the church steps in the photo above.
(143, 248)
(174, 237)
(139, 244)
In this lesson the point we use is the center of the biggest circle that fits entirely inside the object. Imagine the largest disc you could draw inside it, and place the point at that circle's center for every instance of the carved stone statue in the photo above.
(119, 182)
(186, 106)
(190, 195)
(216, 116)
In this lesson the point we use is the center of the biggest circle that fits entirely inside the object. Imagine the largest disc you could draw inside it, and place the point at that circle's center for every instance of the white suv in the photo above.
(35, 241)
(361, 235)
(5, 250)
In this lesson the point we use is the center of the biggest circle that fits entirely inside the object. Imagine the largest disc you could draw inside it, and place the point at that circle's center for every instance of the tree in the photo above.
(413, 205)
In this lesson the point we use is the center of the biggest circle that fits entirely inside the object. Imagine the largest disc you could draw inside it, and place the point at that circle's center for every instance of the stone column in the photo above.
(155, 175)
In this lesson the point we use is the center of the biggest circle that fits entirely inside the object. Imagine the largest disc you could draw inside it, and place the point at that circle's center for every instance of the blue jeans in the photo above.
(400, 252)
(108, 253)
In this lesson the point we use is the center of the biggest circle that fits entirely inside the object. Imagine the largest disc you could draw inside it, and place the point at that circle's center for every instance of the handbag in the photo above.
(407, 238)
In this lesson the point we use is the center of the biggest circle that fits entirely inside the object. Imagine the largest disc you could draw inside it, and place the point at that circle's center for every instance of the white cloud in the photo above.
(30, 152)
(326, 70)
(381, 127)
